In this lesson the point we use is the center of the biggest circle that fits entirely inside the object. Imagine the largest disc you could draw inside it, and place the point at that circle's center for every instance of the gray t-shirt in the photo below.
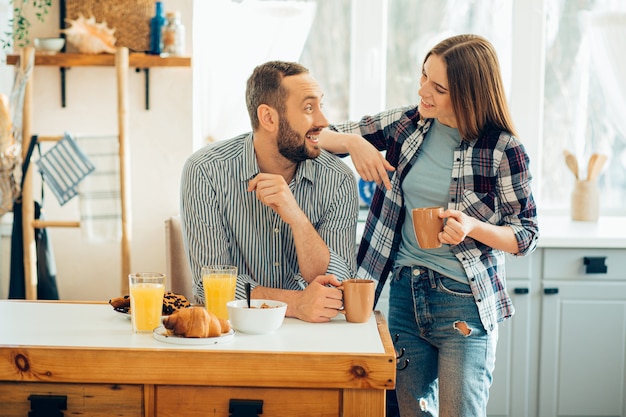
(428, 184)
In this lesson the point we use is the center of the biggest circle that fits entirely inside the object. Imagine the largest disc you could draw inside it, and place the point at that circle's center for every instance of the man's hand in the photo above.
(274, 192)
(317, 303)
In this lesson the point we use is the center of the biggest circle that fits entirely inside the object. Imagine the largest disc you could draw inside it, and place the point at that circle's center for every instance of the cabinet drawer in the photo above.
(94, 400)
(570, 264)
(191, 401)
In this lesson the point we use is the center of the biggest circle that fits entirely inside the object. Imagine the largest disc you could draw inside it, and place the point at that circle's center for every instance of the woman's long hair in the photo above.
(475, 85)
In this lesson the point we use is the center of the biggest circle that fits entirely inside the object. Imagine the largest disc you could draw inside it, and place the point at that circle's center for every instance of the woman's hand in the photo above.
(369, 162)
(458, 226)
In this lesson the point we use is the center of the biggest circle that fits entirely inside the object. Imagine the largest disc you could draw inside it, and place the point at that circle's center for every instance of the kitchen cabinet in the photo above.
(511, 393)
(583, 334)
(564, 351)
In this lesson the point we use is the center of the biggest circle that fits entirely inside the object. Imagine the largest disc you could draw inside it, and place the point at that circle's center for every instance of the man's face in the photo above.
(303, 120)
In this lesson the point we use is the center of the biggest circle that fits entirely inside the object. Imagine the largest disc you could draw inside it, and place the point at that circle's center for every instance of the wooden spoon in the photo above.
(571, 162)
(595, 168)
(592, 162)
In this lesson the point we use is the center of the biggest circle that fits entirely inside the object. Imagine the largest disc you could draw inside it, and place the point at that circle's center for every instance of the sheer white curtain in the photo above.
(235, 38)
(607, 32)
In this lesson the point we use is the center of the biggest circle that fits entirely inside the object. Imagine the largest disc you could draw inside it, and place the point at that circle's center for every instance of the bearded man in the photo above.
(272, 202)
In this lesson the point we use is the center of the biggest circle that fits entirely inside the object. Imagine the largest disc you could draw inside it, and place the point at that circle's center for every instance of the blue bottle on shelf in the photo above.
(156, 30)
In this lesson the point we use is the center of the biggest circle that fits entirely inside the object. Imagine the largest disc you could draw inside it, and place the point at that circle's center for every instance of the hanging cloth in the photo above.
(46, 267)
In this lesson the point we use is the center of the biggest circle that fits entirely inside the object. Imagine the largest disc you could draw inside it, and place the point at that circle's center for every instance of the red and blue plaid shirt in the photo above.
(490, 181)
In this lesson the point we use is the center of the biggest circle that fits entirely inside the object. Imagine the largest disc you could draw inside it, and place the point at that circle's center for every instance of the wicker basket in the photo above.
(129, 18)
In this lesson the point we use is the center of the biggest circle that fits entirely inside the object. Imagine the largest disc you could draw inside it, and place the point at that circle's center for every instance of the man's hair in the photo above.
(475, 85)
(264, 87)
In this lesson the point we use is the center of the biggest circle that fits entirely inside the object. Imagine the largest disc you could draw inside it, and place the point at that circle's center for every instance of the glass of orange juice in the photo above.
(219, 283)
(146, 300)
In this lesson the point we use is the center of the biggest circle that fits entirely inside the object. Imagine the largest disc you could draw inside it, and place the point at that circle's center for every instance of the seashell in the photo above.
(90, 37)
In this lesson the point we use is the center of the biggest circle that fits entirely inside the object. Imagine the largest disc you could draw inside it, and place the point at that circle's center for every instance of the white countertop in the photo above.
(562, 232)
(99, 326)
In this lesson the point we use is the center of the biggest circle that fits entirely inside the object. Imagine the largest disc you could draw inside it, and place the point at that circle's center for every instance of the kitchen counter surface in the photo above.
(562, 232)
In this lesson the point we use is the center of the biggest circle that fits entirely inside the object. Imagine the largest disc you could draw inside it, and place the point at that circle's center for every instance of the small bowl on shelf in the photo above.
(263, 316)
(49, 45)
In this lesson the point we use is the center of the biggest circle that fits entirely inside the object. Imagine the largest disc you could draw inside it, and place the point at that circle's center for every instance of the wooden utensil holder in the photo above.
(585, 201)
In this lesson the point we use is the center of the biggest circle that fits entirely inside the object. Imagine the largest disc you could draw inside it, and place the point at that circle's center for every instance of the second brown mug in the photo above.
(427, 224)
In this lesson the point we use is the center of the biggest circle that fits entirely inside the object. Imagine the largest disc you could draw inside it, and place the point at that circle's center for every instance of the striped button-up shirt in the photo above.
(225, 224)
(490, 181)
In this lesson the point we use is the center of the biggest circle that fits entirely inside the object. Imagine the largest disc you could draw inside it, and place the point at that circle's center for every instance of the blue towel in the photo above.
(63, 167)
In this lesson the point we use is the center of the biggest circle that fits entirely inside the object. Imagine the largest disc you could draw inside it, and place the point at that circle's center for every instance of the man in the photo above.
(272, 202)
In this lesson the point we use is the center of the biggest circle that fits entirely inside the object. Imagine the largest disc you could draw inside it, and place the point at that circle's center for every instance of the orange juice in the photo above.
(146, 305)
(219, 288)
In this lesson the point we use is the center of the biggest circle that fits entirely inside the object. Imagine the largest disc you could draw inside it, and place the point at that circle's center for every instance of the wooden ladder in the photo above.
(29, 223)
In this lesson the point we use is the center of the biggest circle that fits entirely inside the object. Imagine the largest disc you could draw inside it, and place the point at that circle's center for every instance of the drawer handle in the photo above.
(520, 290)
(595, 264)
(550, 291)
(47, 405)
(245, 408)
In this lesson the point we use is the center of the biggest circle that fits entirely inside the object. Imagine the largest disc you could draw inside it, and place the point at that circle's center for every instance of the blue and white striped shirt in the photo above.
(223, 223)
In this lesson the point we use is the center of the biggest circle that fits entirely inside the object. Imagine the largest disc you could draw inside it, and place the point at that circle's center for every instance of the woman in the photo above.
(456, 149)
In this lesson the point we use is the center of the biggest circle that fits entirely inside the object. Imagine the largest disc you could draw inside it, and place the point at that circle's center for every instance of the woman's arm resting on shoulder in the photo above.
(368, 161)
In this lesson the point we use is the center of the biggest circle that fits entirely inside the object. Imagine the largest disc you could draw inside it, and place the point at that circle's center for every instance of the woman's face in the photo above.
(434, 93)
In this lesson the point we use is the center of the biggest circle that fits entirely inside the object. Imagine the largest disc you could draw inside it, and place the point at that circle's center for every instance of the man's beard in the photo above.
(293, 146)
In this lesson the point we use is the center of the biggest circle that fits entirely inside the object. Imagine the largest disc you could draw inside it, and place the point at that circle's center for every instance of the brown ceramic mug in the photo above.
(358, 299)
(427, 224)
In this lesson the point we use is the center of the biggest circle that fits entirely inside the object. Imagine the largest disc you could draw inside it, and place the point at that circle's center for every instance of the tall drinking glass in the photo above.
(146, 300)
(219, 283)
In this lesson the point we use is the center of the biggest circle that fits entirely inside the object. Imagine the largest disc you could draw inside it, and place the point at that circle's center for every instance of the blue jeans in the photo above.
(450, 356)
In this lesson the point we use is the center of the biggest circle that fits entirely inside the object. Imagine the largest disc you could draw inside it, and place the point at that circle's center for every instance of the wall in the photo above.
(160, 140)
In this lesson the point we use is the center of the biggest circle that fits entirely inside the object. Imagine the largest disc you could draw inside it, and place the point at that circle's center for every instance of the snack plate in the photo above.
(127, 314)
(122, 312)
(161, 334)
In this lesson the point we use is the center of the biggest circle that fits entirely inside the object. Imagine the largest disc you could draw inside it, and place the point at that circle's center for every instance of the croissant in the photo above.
(195, 322)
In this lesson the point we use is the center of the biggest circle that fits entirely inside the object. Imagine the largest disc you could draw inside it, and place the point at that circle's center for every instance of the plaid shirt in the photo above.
(490, 181)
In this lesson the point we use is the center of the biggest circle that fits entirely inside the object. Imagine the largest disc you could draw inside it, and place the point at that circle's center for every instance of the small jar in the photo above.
(585, 201)
(174, 35)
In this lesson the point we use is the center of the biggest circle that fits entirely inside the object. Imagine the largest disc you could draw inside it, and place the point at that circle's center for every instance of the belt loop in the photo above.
(431, 278)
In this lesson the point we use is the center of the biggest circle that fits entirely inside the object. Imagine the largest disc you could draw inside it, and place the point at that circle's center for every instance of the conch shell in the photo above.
(90, 37)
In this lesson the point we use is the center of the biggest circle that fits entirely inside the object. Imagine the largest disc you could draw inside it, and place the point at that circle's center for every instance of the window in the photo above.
(585, 98)
(416, 26)
(563, 70)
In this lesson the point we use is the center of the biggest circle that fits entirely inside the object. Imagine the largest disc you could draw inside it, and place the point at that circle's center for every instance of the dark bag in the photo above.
(46, 267)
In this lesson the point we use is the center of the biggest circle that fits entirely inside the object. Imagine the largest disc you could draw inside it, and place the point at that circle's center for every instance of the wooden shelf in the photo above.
(136, 60)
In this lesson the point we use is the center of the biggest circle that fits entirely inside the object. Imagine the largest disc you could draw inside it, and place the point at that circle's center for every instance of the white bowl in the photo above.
(256, 320)
(49, 45)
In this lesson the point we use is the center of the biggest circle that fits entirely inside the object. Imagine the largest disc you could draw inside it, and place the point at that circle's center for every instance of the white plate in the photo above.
(127, 315)
(161, 334)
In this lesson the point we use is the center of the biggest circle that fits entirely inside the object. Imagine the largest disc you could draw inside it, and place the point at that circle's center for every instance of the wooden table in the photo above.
(88, 354)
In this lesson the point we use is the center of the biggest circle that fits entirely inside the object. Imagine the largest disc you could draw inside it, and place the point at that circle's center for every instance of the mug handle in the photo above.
(341, 310)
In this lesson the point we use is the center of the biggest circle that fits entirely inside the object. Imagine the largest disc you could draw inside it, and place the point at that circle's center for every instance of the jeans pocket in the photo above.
(455, 287)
